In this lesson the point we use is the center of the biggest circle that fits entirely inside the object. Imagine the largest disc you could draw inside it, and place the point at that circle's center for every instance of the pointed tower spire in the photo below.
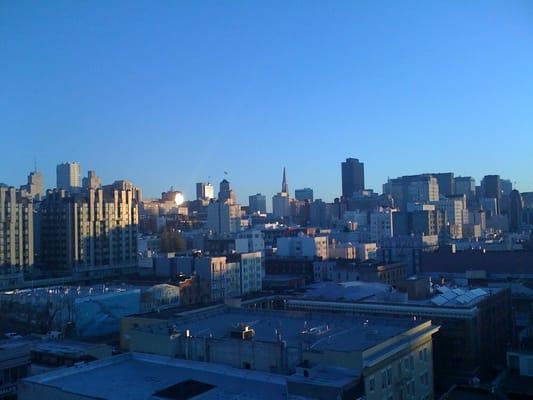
(284, 184)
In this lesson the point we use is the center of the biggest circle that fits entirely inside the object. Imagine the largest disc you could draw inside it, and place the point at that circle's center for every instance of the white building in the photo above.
(303, 246)
(250, 241)
(381, 225)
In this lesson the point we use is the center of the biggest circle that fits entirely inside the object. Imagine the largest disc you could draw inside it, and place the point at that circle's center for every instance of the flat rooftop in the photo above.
(344, 291)
(67, 291)
(137, 376)
(318, 331)
(445, 296)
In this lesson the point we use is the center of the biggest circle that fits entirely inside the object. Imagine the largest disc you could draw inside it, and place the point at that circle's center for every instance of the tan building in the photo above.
(16, 231)
(89, 231)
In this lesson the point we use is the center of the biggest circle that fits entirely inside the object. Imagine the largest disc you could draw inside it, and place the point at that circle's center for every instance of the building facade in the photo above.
(89, 231)
(68, 176)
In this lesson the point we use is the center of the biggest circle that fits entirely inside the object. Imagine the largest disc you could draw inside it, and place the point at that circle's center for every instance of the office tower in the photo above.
(353, 177)
(515, 211)
(465, 185)
(257, 203)
(284, 184)
(281, 205)
(223, 217)
(68, 176)
(446, 183)
(16, 230)
(35, 186)
(453, 208)
(304, 194)
(422, 188)
(94, 231)
(491, 188)
(226, 193)
(204, 191)
(507, 187)
(92, 181)
(281, 201)
(320, 213)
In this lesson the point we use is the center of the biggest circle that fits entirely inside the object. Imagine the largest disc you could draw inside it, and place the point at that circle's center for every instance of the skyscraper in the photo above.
(225, 193)
(465, 185)
(422, 188)
(491, 188)
(304, 194)
(446, 183)
(353, 177)
(284, 184)
(515, 211)
(35, 186)
(257, 203)
(92, 181)
(68, 176)
(281, 201)
(204, 191)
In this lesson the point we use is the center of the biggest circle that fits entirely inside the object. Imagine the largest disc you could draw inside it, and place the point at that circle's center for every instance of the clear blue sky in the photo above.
(171, 92)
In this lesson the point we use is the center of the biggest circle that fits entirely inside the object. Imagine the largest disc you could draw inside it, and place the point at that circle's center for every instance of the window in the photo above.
(372, 383)
(383, 379)
(389, 376)
(411, 362)
(425, 354)
(420, 355)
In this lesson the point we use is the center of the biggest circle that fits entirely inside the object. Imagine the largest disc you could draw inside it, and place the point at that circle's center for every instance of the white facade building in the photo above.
(381, 225)
(303, 246)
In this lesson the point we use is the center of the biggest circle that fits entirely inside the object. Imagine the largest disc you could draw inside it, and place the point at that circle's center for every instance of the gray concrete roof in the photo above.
(319, 331)
(136, 376)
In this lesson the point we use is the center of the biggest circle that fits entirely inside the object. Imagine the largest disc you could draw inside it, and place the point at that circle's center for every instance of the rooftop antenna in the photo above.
(34, 164)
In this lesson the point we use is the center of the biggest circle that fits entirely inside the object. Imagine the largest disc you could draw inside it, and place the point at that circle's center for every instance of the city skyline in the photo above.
(162, 95)
(190, 193)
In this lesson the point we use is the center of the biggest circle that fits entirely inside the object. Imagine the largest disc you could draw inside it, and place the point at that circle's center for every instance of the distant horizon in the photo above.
(177, 93)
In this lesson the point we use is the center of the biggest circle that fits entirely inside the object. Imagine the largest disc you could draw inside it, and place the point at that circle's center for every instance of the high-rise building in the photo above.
(93, 230)
(204, 191)
(225, 193)
(515, 211)
(491, 188)
(422, 188)
(465, 185)
(223, 217)
(284, 184)
(353, 177)
(446, 183)
(16, 230)
(92, 181)
(35, 186)
(281, 205)
(304, 194)
(257, 203)
(68, 176)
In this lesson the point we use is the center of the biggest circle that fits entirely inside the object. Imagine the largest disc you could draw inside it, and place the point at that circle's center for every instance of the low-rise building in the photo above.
(388, 356)
(303, 246)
